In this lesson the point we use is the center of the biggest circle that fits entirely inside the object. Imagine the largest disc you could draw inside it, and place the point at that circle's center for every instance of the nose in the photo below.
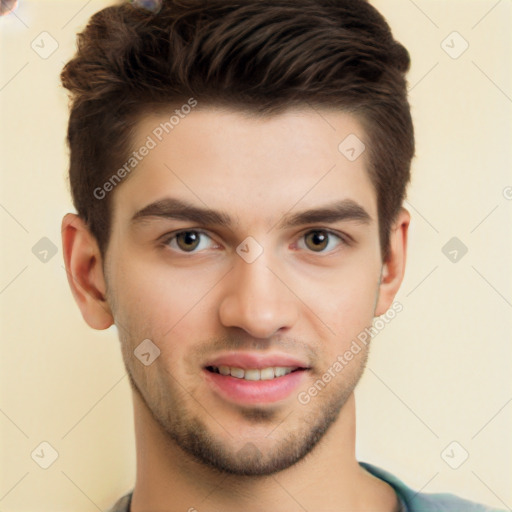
(257, 299)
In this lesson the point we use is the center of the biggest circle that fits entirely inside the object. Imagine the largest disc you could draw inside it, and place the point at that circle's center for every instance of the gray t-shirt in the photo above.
(410, 501)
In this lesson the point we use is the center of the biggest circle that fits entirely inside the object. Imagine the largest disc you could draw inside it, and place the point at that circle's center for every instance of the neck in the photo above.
(328, 478)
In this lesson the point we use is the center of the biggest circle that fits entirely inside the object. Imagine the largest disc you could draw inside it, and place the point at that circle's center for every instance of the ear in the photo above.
(393, 267)
(84, 269)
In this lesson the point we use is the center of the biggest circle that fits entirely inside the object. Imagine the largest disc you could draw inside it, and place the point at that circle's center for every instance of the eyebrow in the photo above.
(177, 209)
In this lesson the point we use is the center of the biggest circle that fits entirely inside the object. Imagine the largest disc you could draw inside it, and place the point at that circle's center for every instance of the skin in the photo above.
(300, 297)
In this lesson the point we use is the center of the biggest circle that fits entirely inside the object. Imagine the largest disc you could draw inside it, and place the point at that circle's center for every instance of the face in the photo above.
(257, 284)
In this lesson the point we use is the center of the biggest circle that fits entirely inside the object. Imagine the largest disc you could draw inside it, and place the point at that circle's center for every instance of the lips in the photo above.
(244, 391)
(248, 360)
(254, 378)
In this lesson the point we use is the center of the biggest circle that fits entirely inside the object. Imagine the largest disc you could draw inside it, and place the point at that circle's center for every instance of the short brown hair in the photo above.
(259, 57)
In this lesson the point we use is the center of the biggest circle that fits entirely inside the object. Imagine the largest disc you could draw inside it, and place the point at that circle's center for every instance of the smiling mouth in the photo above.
(254, 374)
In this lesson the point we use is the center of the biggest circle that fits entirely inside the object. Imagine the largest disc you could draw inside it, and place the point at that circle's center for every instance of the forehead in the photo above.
(245, 164)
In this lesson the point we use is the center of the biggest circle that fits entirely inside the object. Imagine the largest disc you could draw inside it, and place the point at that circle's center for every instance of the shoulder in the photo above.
(426, 502)
(122, 504)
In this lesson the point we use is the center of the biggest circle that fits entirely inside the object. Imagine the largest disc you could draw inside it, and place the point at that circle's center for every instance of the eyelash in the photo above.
(344, 240)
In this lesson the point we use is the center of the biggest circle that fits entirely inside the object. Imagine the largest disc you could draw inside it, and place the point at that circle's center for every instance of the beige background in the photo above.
(439, 372)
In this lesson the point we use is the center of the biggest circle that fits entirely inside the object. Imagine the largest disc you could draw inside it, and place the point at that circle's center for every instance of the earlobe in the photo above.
(393, 268)
(84, 270)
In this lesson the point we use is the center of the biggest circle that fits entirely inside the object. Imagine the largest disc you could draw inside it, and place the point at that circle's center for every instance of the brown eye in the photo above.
(318, 240)
(190, 241)
(187, 240)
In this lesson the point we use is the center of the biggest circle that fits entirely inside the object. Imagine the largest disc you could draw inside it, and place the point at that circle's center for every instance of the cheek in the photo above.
(162, 303)
(347, 303)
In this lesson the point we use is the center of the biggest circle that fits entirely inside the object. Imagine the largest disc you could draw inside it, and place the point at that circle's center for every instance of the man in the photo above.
(239, 169)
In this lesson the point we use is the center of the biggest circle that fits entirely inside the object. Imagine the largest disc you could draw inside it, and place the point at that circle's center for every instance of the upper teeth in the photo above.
(255, 373)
